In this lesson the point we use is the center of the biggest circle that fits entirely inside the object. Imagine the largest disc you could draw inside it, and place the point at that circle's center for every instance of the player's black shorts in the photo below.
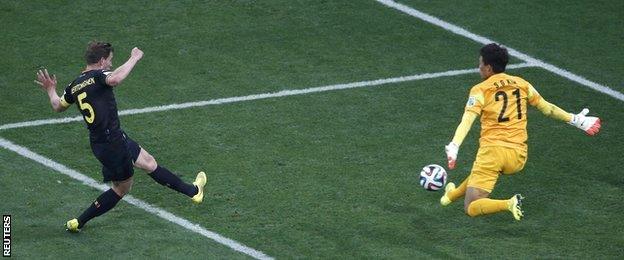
(117, 153)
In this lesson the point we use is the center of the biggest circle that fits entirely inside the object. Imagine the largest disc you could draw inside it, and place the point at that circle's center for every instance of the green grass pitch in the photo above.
(320, 175)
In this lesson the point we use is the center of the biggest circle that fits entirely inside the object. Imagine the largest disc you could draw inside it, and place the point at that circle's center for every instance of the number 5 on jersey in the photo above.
(86, 107)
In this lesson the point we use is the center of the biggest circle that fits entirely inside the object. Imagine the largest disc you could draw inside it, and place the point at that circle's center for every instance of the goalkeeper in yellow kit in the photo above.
(501, 100)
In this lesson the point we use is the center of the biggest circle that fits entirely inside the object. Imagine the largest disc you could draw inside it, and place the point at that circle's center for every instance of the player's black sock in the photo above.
(101, 205)
(167, 178)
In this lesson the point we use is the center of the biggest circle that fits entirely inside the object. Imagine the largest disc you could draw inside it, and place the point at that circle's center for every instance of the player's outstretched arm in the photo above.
(463, 128)
(589, 124)
(119, 74)
(553, 111)
(48, 84)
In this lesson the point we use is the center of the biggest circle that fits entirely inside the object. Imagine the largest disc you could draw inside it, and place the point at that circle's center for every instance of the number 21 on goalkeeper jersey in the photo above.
(501, 101)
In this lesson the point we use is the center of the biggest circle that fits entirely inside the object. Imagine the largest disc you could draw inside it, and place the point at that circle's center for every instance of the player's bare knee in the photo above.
(469, 200)
(122, 187)
(466, 206)
(146, 162)
(150, 163)
(119, 191)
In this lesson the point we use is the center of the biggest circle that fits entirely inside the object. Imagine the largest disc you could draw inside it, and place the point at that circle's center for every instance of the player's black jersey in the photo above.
(95, 101)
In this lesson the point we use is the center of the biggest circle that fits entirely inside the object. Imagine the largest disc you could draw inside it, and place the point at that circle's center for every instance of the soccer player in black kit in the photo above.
(92, 91)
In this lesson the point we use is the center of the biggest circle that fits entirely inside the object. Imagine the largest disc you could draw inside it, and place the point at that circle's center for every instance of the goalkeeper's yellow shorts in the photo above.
(492, 161)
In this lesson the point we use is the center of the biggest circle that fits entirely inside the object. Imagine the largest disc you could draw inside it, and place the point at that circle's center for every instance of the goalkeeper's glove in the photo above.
(451, 154)
(589, 124)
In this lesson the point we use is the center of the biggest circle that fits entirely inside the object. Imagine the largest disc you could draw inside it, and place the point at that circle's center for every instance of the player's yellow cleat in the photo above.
(72, 226)
(445, 199)
(515, 204)
(200, 182)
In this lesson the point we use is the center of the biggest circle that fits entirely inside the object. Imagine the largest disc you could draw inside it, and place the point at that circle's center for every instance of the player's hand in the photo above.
(451, 150)
(589, 124)
(136, 53)
(45, 81)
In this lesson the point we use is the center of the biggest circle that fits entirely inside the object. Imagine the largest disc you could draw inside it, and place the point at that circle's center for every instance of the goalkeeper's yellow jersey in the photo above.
(502, 101)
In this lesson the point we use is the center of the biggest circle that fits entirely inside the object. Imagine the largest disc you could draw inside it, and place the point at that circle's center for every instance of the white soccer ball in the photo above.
(433, 177)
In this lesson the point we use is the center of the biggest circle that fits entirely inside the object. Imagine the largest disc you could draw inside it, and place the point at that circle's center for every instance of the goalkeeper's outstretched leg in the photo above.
(477, 203)
(452, 193)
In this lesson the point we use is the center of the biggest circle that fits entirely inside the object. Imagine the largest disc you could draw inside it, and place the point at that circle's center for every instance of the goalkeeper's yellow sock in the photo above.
(487, 206)
(459, 191)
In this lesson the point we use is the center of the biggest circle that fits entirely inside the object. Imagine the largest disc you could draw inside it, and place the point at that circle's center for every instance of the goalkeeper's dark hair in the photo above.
(495, 56)
(97, 50)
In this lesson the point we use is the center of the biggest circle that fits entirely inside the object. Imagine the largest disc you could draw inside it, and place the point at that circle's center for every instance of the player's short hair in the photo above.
(495, 56)
(97, 50)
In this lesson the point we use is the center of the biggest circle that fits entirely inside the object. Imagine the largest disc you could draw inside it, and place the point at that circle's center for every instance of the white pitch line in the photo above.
(23, 151)
(282, 93)
(483, 40)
